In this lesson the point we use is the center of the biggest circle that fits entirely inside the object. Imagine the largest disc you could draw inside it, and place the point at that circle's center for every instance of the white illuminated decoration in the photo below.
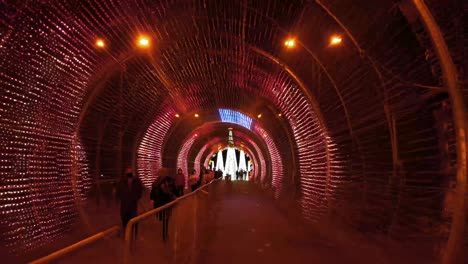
(231, 162)
(220, 162)
(242, 163)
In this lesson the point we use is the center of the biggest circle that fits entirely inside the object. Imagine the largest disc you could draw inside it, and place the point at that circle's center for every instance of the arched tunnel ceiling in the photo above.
(363, 124)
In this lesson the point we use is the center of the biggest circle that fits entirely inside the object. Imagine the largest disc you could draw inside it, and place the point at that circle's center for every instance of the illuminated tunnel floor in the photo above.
(246, 227)
(249, 229)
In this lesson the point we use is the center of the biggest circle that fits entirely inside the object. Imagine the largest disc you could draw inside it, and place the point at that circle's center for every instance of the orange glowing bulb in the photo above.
(143, 42)
(335, 40)
(100, 43)
(196, 115)
(259, 115)
(177, 115)
(290, 43)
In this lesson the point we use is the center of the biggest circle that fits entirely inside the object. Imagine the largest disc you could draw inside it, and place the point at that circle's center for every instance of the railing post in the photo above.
(128, 241)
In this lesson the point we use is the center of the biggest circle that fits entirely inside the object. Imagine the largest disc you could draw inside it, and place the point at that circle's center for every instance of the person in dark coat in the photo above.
(193, 180)
(163, 192)
(129, 193)
(179, 183)
(219, 174)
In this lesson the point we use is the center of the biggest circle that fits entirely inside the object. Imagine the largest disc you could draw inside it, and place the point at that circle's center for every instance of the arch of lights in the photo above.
(210, 148)
(276, 162)
(149, 154)
(219, 143)
(253, 157)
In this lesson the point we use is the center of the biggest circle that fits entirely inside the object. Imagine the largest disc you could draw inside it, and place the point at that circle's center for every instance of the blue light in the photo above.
(231, 116)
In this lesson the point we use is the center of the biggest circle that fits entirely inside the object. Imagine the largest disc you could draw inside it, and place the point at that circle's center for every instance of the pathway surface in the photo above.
(248, 228)
(232, 222)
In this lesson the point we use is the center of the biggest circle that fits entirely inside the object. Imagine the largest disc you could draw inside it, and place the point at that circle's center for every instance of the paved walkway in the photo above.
(231, 223)
(248, 228)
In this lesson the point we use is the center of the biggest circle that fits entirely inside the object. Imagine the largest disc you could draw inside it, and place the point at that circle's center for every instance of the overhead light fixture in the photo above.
(143, 41)
(100, 43)
(279, 115)
(259, 115)
(290, 43)
(335, 40)
(196, 115)
(177, 115)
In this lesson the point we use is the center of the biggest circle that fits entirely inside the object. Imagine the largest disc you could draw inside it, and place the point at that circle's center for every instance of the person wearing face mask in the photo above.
(129, 193)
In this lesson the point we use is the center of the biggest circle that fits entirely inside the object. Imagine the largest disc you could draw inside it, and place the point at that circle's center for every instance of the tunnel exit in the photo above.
(230, 161)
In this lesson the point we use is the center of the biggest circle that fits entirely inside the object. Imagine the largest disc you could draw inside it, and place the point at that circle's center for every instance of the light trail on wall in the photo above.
(196, 163)
(43, 167)
(276, 161)
(149, 150)
(182, 162)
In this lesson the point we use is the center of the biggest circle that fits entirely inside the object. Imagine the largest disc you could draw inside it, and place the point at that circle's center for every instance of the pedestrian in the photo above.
(212, 175)
(201, 176)
(179, 183)
(193, 180)
(129, 191)
(219, 174)
(163, 192)
(206, 177)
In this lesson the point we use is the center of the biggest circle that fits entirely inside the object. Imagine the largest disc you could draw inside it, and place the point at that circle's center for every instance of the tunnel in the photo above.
(352, 113)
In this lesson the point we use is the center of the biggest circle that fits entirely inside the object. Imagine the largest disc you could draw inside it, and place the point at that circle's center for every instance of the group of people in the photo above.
(164, 189)
(240, 175)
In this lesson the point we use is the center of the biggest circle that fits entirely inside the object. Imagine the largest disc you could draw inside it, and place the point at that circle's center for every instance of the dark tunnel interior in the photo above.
(352, 112)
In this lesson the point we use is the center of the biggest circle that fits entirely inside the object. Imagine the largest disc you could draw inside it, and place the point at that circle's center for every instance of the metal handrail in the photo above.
(77, 245)
(133, 221)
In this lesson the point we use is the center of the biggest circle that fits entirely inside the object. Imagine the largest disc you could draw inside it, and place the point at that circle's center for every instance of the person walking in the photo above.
(219, 174)
(163, 192)
(179, 183)
(129, 192)
(193, 180)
